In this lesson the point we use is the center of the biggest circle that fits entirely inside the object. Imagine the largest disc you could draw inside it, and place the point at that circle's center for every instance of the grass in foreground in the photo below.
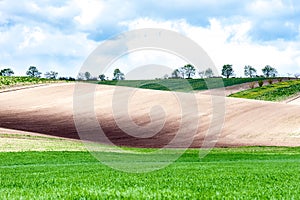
(181, 84)
(241, 173)
(275, 92)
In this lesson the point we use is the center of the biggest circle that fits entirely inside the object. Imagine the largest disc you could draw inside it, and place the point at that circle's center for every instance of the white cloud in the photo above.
(232, 44)
(146, 64)
(90, 12)
(61, 34)
(22, 46)
(33, 37)
(272, 8)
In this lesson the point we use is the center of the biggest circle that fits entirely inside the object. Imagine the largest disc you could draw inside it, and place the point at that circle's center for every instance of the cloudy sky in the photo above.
(60, 34)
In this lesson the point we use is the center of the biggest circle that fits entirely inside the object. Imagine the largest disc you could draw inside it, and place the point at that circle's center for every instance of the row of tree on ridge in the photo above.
(188, 71)
(34, 72)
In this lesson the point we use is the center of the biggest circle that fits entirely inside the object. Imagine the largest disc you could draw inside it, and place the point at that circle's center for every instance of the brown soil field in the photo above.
(294, 100)
(147, 118)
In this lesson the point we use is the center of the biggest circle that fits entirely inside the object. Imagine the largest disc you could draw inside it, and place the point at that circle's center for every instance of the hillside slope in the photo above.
(49, 110)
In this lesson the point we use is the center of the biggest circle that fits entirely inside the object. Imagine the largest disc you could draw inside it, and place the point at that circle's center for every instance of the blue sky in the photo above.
(59, 35)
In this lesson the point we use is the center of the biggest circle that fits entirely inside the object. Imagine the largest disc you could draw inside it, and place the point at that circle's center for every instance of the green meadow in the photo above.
(228, 173)
(272, 92)
(182, 85)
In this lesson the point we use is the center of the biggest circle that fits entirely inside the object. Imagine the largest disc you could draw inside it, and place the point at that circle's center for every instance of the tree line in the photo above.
(35, 73)
(117, 75)
(250, 71)
(188, 71)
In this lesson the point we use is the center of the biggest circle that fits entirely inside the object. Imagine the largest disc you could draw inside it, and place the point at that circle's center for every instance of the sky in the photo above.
(59, 35)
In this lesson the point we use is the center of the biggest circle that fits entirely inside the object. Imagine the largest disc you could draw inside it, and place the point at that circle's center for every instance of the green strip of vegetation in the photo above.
(241, 173)
(8, 81)
(19, 143)
(183, 85)
(274, 92)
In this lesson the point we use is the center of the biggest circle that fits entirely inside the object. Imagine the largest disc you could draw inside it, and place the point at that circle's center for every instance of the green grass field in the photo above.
(8, 81)
(275, 92)
(181, 84)
(229, 173)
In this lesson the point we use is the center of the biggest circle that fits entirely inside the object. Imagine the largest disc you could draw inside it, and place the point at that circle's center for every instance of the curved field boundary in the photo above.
(295, 100)
(15, 88)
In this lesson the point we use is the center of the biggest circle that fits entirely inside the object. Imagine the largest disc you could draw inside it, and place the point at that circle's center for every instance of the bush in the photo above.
(260, 83)
(279, 79)
(66, 79)
(252, 85)
(270, 81)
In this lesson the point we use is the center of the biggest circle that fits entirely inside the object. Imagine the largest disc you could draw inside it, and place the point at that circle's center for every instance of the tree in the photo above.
(87, 75)
(102, 77)
(80, 76)
(176, 74)
(208, 73)
(33, 72)
(188, 70)
(201, 74)
(93, 78)
(51, 75)
(269, 71)
(181, 72)
(249, 71)
(71, 79)
(118, 75)
(66, 78)
(6, 72)
(116, 71)
(227, 71)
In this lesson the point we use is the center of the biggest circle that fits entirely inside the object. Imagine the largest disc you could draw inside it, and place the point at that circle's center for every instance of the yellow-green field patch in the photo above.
(19, 142)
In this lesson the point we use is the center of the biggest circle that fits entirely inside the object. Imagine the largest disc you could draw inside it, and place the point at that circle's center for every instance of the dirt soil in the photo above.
(294, 101)
(148, 118)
